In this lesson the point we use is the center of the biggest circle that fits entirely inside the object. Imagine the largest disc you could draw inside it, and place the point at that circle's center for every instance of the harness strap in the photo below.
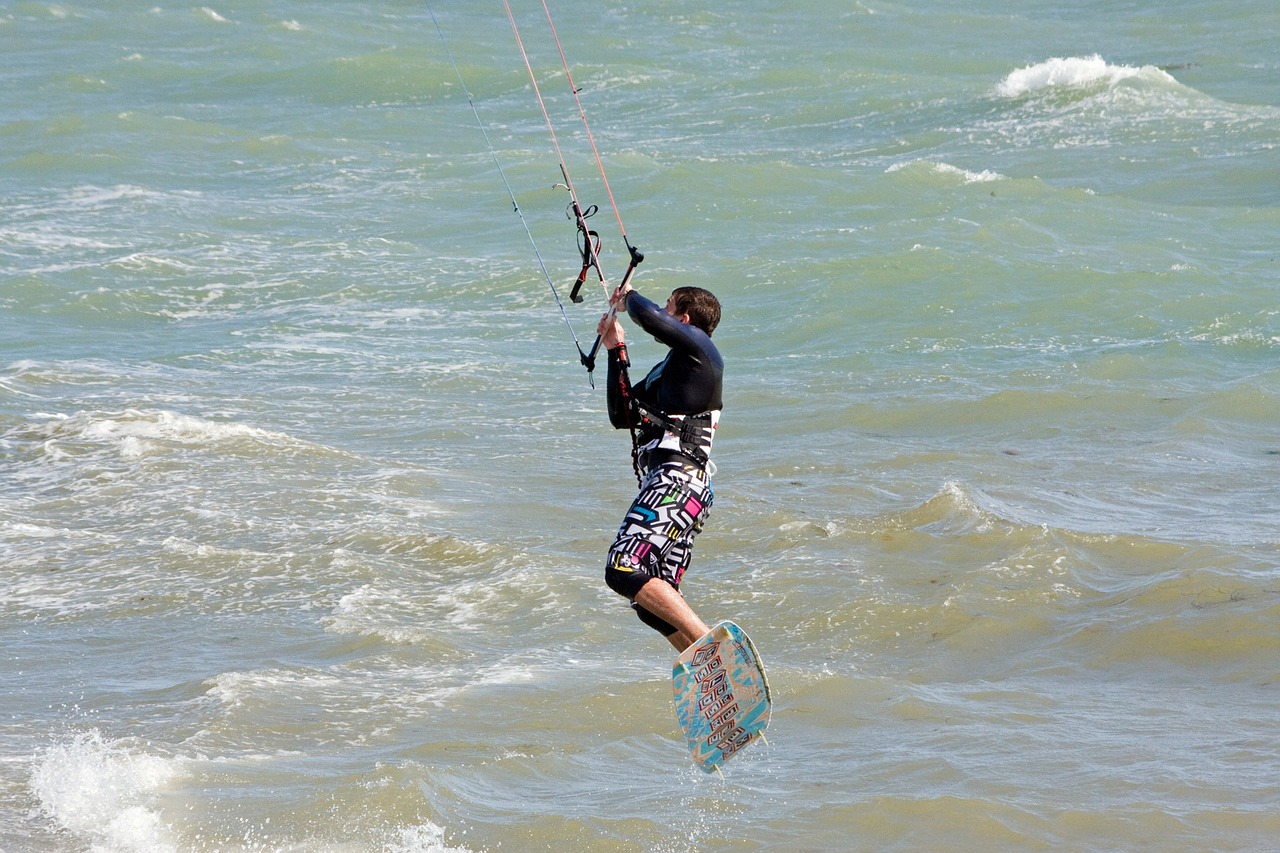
(689, 429)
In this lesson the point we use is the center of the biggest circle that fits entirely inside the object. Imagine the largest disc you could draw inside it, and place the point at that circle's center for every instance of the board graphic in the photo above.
(721, 695)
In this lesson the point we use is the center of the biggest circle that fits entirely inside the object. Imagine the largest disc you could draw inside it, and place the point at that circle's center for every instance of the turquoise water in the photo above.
(305, 495)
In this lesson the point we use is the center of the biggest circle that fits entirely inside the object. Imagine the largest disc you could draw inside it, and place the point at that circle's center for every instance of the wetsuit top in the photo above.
(686, 383)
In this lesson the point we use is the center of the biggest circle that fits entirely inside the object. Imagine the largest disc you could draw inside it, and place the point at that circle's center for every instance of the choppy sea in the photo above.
(304, 493)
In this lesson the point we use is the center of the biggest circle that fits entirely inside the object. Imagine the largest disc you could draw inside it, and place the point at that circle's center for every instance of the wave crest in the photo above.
(1073, 73)
(105, 791)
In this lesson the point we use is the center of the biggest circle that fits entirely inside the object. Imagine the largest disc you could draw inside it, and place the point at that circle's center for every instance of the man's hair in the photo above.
(701, 305)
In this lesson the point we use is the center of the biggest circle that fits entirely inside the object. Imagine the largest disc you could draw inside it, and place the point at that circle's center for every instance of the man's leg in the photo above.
(652, 550)
(665, 601)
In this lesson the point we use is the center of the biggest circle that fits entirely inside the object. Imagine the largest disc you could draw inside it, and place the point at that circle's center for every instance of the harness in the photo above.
(687, 436)
(692, 434)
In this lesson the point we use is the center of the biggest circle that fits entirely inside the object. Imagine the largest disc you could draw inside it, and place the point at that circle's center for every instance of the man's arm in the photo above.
(618, 392)
(654, 319)
(618, 388)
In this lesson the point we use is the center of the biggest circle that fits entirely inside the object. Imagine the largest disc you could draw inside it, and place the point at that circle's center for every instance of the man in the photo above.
(673, 414)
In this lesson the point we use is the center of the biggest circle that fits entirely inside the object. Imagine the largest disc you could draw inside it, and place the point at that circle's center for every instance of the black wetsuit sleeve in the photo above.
(618, 390)
(655, 320)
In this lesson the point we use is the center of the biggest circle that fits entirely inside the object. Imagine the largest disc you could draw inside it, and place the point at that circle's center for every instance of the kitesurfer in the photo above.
(674, 412)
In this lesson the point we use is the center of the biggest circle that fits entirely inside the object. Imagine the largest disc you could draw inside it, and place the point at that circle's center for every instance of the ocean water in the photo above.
(305, 495)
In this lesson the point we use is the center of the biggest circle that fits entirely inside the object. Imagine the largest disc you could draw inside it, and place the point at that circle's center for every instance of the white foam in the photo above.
(1071, 72)
(508, 673)
(965, 175)
(985, 176)
(48, 241)
(427, 838)
(91, 196)
(146, 262)
(367, 611)
(238, 690)
(36, 531)
(137, 432)
(105, 792)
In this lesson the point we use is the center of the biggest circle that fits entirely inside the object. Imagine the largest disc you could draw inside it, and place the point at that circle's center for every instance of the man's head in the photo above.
(701, 307)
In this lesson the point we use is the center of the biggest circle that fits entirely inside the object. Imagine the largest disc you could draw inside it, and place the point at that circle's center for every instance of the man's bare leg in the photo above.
(665, 601)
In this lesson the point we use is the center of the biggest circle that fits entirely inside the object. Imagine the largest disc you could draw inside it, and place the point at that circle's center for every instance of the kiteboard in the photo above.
(721, 695)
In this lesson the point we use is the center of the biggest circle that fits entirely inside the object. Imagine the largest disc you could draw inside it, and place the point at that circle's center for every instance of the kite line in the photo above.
(589, 242)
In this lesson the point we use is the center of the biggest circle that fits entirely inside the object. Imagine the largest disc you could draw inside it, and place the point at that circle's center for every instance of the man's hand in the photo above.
(610, 331)
(610, 328)
(619, 298)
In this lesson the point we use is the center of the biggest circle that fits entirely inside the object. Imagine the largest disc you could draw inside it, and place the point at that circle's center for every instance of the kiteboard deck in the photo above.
(721, 695)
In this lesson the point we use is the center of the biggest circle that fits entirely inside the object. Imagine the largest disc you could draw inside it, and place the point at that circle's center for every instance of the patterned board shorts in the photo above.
(656, 536)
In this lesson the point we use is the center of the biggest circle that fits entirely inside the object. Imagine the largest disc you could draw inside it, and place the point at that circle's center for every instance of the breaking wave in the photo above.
(1074, 73)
